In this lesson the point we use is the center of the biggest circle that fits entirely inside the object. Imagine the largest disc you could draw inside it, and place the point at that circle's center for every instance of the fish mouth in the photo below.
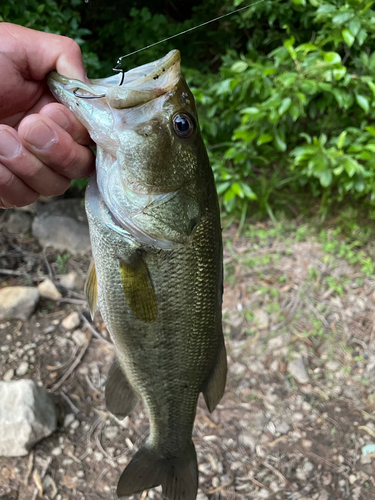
(125, 89)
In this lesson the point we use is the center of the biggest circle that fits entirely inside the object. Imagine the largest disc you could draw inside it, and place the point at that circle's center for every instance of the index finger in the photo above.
(45, 52)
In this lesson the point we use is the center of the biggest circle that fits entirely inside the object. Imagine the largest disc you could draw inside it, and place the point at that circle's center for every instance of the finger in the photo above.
(13, 191)
(55, 147)
(45, 52)
(67, 121)
(27, 167)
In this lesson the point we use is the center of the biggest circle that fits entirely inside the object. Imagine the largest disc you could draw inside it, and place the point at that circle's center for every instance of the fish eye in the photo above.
(183, 125)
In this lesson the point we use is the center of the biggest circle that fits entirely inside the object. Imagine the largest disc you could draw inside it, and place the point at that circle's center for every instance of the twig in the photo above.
(69, 401)
(43, 473)
(291, 313)
(276, 472)
(49, 269)
(95, 332)
(29, 468)
(72, 301)
(318, 315)
(74, 365)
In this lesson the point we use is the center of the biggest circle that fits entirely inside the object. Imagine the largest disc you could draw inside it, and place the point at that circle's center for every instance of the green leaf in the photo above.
(300, 2)
(294, 111)
(279, 142)
(361, 37)
(264, 138)
(350, 166)
(250, 111)
(371, 129)
(342, 18)
(332, 57)
(236, 188)
(325, 178)
(222, 186)
(341, 140)
(363, 102)
(326, 9)
(239, 66)
(285, 105)
(348, 37)
(249, 193)
(355, 26)
(370, 147)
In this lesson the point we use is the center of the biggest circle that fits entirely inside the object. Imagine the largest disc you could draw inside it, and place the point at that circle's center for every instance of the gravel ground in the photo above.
(300, 400)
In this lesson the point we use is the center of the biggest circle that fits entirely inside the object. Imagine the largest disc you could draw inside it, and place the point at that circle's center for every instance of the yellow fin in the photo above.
(138, 288)
(91, 289)
(215, 385)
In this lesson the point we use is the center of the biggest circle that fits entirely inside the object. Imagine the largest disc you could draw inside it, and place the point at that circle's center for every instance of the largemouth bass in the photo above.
(156, 275)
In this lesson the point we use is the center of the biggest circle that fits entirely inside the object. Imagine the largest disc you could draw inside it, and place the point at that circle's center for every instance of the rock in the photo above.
(324, 495)
(27, 415)
(63, 225)
(71, 321)
(48, 290)
(283, 428)
(72, 281)
(68, 419)
(19, 222)
(8, 375)
(297, 369)
(22, 368)
(111, 432)
(18, 302)
(248, 440)
(79, 337)
(56, 452)
(238, 369)
(278, 342)
(333, 365)
(261, 319)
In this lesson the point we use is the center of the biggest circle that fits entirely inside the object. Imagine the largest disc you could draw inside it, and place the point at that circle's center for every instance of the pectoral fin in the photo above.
(138, 288)
(120, 397)
(214, 387)
(91, 289)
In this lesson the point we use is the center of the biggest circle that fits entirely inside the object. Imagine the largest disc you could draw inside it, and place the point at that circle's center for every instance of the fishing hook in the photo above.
(86, 96)
(122, 76)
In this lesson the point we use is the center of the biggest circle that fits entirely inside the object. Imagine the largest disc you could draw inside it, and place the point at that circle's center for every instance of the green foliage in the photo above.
(299, 116)
(285, 90)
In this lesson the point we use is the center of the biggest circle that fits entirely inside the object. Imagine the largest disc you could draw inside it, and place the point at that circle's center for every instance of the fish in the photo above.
(157, 269)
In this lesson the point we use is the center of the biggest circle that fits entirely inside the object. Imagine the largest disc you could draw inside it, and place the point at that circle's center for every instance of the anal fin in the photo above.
(91, 289)
(214, 387)
(120, 397)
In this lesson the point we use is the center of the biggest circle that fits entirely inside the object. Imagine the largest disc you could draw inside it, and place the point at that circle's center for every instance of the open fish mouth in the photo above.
(123, 90)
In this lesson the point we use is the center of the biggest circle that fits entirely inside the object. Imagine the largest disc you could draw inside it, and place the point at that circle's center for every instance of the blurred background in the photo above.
(286, 88)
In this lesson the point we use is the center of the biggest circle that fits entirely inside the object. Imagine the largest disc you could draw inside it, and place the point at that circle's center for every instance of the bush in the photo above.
(300, 115)
(286, 89)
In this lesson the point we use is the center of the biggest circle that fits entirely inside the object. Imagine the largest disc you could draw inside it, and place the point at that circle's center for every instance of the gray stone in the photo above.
(62, 225)
(22, 368)
(8, 375)
(237, 368)
(19, 222)
(72, 281)
(18, 302)
(71, 321)
(297, 369)
(48, 290)
(27, 415)
(111, 432)
(261, 319)
(79, 337)
(333, 365)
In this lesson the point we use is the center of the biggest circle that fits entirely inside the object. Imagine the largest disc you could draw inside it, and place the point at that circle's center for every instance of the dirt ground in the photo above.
(300, 399)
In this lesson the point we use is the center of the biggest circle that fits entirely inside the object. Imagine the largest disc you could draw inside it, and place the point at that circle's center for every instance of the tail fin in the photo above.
(177, 475)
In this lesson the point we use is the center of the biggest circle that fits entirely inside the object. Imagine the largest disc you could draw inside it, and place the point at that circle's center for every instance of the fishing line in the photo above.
(116, 68)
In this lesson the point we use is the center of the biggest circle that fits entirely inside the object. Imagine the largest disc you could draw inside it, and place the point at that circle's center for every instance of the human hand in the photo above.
(42, 145)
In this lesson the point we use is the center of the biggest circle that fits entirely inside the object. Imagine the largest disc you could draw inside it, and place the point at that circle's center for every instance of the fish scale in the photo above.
(157, 273)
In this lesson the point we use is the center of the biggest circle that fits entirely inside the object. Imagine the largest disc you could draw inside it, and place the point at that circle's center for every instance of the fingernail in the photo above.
(60, 118)
(40, 135)
(9, 145)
